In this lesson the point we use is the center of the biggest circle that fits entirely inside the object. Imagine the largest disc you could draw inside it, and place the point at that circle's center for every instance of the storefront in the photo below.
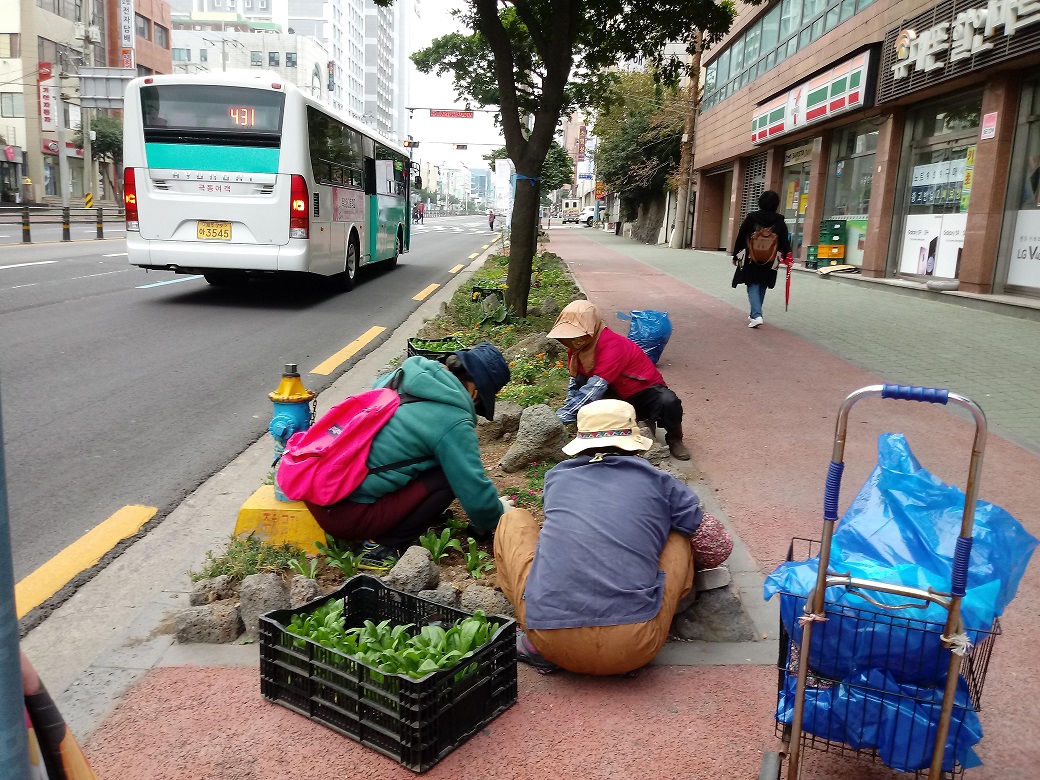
(1021, 245)
(794, 193)
(850, 175)
(937, 175)
(10, 174)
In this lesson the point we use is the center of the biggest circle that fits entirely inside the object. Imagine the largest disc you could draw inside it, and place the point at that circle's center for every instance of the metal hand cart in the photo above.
(966, 659)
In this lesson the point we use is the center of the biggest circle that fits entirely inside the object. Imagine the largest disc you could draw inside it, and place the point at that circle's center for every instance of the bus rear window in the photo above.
(232, 110)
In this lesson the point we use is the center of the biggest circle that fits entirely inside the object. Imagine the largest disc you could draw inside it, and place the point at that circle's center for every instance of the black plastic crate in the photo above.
(434, 354)
(414, 722)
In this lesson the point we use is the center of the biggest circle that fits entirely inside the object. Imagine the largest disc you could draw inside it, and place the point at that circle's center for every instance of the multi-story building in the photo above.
(49, 40)
(903, 137)
(204, 44)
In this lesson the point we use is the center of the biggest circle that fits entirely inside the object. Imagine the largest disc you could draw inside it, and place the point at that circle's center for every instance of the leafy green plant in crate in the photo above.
(478, 562)
(439, 545)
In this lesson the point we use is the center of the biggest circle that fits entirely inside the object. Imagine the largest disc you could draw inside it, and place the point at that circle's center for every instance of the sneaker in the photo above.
(526, 653)
(376, 557)
(755, 322)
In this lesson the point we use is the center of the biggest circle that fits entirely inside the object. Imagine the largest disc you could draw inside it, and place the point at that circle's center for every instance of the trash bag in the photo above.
(902, 528)
(649, 329)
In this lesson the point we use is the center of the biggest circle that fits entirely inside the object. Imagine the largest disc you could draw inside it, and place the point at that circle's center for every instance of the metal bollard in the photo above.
(26, 230)
(66, 227)
(100, 222)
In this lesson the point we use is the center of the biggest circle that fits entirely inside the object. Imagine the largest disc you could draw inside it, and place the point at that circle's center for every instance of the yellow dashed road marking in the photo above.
(348, 351)
(423, 294)
(458, 268)
(485, 246)
(473, 255)
(79, 556)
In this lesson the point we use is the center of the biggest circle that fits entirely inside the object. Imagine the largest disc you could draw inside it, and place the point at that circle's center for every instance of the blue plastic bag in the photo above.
(649, 329)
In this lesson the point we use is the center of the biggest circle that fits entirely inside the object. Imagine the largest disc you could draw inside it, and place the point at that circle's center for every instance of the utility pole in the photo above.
(84, 114)
(693, 102)
(63, 160)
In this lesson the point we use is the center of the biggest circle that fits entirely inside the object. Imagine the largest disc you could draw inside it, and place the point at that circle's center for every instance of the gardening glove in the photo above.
(507, 504)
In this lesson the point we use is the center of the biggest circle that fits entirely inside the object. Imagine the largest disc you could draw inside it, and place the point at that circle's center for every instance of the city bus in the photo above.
(230, 176)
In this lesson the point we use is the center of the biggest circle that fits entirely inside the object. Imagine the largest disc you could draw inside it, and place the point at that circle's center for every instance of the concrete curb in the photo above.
(96, 646)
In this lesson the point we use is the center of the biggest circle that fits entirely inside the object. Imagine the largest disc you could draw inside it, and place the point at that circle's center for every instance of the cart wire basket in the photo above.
(877, 718)
(899, 691)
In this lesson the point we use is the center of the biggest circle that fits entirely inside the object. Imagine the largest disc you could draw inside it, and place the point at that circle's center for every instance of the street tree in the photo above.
(543, 59)
(557, 170)
(107, 146)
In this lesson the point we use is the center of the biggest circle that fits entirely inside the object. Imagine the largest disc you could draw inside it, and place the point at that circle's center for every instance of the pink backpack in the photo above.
(322, 465)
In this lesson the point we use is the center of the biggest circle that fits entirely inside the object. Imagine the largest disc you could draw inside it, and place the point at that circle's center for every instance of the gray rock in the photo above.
(539, 437)
(213, 589)
(444, 594)
(549, 307)
(415, 571)
(535, 344)
(715, 616)
(488, 430)
(261, 593)
(211, 624)
(303, 590)
(493, 602)
(507, 414)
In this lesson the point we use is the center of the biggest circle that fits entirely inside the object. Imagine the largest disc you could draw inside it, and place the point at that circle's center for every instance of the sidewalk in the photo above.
(760, 407)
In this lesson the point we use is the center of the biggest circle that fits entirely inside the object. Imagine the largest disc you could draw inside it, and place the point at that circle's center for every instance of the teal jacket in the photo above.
(442, 426)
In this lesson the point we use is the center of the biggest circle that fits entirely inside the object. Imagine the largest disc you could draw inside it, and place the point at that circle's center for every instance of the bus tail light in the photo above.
(299, 218)
(130, 199)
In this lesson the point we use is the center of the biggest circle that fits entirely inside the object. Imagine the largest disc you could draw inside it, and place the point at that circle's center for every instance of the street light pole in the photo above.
(63, 160)
(84, 114)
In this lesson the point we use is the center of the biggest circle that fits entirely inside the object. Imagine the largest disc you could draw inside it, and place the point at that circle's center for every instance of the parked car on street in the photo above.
(587, 215)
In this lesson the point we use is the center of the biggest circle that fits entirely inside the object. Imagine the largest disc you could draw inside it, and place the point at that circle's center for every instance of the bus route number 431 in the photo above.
(214, 231)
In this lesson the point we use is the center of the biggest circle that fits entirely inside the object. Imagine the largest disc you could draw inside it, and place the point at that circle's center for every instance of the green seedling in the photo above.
(338, 557)
(455, 523)
(439, 545)
(478, 562)
(398, 649)
(304, 566)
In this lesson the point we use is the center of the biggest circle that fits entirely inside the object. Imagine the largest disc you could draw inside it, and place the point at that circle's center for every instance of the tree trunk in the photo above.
(682, 201)
(522, 245)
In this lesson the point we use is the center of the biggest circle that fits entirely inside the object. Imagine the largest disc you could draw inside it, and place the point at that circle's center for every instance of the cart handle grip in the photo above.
(961, 558)
(930, 395)
(830, 494)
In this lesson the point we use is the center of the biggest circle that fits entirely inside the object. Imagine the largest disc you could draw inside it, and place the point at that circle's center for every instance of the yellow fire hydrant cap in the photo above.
(291, 389)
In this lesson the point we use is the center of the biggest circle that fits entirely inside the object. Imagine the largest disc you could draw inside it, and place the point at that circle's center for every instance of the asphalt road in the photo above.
(116, 393)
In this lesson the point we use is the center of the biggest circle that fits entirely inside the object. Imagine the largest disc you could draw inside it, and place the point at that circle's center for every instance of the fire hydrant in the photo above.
(292, 413)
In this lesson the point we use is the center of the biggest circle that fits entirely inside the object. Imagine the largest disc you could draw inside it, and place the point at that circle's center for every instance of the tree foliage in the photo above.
(639, 129)
(557, 170)
(546, 58)
(108, 140)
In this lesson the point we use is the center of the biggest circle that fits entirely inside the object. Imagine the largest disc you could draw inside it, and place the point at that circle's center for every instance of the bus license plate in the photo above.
(215, 231)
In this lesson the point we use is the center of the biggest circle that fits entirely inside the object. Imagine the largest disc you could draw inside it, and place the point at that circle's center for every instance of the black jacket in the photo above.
(758, 273)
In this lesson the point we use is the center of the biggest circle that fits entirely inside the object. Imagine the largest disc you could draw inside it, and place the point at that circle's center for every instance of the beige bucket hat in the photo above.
(608, 423)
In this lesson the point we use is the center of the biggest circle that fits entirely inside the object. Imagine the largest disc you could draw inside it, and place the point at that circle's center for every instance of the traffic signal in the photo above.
(410, 144)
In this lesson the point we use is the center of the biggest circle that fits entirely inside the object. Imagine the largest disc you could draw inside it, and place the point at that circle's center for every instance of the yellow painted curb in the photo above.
(457, 268)
(424, 293)
(345, 354)
(277, 522)
(79, 556)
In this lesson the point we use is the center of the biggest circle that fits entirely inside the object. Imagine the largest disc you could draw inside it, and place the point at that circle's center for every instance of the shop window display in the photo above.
(847, 200)
(1024, 196)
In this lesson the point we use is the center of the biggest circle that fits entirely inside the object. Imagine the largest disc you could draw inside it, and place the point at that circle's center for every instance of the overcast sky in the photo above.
(435, 136)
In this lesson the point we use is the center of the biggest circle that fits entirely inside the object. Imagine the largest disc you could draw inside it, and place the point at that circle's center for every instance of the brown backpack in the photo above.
(762, 245)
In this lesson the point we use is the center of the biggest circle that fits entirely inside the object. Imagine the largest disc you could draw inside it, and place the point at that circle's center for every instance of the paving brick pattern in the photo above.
(991, 358)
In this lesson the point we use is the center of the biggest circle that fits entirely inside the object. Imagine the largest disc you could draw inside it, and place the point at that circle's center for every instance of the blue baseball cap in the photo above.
(489, 372)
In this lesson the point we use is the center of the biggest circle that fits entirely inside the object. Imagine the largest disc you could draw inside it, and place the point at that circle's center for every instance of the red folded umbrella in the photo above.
(788, 261)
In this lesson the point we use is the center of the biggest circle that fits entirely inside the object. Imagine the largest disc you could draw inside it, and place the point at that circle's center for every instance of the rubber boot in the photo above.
(674, 440)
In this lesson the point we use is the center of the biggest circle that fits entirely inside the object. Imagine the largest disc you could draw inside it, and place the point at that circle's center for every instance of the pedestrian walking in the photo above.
(491, 219)
(762, 240)
(601, 361)
(597, 587)
(422, 213)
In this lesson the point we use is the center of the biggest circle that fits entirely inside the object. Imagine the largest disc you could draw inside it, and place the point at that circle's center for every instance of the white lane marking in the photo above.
(23, 265)
(169, 281)
(105, 273)
(117, 254)
(20, 286)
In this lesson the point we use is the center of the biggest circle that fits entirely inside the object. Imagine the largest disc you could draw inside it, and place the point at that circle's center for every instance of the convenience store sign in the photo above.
(833, 92)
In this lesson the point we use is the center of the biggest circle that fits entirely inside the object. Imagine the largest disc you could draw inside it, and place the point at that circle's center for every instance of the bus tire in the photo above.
(348, 277)
(392, 262)
(226, 278)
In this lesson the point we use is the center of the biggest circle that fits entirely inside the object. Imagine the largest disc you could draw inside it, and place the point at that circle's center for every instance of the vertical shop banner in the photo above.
(582, 139)
(969, 177)
(48, 105)
(126, 34)
(932, 244)
(1024, 270)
